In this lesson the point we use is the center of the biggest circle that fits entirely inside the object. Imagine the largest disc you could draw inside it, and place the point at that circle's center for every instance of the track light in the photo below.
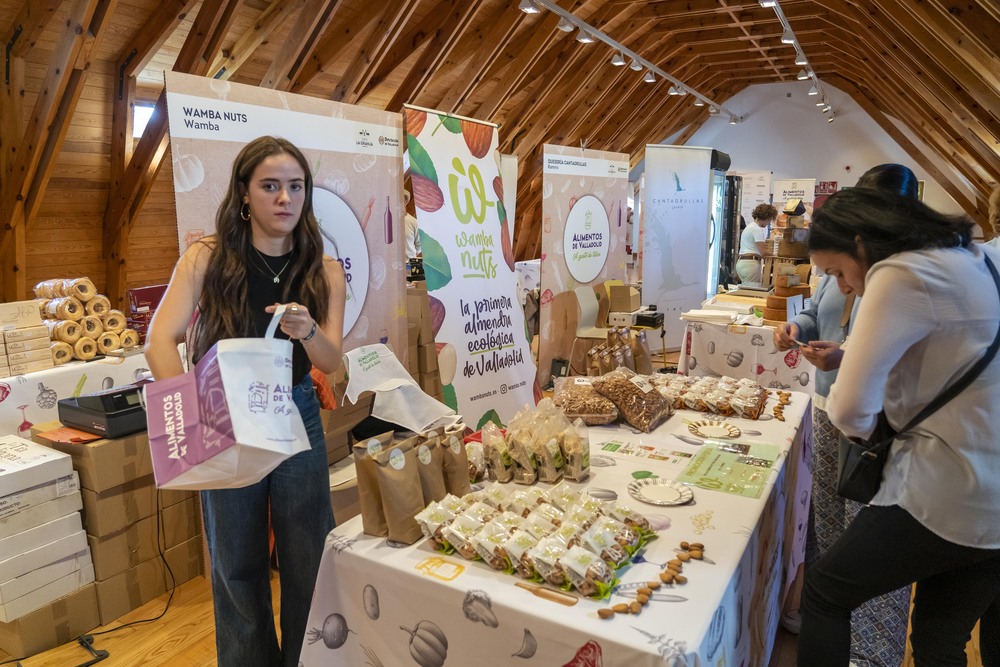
(618, 59)
(813, 91)
(821, 102)
(827, 109)
(528, 7)
(802, 75)
(712, 110)
(673, 91)
(830, 119)
(649, 77)
(788, 37)
(767, 3)
(698, 103)
(732, 121)
(636, 66)
(584, 37)
(800, 59)
(565, 25)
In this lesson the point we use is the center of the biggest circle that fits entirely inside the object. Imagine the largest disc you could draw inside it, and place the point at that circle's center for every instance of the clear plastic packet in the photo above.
(549, 457)
(719, 402)
(538, 525)
(518, 547)
(563, 496)
(481, 511)
(575, 443)
(499, 463)
(628, 516)
(550, 512)
(520, 502)
(600, 539)
(489, 544)
(432, 520)
(589, 575)
(626, 536)
(522, 451)
(568, 533)
(635, 397)
(495, 495)
(577, 514)
(459, 534)
(476, 454)
(509, 521)
(453, 503)
(577, 398)
(545, 555)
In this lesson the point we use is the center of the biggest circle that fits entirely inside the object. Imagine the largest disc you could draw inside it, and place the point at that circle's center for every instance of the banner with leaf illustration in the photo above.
(356, 159)
(469, 265)
(584, 216)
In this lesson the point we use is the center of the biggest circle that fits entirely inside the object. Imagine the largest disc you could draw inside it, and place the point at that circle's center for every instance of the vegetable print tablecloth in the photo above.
(744, 352)
(389, 607)
(31, 398)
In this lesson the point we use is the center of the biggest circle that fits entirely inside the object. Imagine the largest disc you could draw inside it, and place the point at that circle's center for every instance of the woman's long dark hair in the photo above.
(886, 223)
(891, 177)
(223, 303)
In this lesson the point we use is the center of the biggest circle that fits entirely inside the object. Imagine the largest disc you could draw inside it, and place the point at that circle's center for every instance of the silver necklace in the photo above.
(277, 276)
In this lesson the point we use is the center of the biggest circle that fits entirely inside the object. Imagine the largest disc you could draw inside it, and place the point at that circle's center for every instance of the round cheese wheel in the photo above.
(792, 291)
(776, 302)
(775, 314)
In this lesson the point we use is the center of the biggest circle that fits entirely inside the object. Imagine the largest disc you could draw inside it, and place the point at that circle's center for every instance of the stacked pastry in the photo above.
(81, 322)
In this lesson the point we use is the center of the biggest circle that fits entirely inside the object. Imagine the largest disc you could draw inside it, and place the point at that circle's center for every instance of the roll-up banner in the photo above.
(356, 159)
(756, 190)
(584, 210)
(469, 263)
(794, 188)
(676, 232)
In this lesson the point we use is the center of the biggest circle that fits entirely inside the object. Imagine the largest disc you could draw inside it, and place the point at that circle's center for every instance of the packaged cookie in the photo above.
(577, 398)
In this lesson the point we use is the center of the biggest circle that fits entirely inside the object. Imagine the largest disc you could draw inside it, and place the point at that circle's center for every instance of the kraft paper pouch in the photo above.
(456, 460)
(640, 354)
(399, 484)
(429, 466)
(499, 463)
(369, 497)
(605, 361)
(576, 450)
(519, 445)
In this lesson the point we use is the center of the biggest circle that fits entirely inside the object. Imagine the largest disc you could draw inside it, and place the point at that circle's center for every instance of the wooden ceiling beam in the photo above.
(403, 48)
(960, 33)
(137, 54)
(337, 39)
(228, 62)
(372, 52)
(442, 42)
(28, 25)
(294, 53)
(501, 27)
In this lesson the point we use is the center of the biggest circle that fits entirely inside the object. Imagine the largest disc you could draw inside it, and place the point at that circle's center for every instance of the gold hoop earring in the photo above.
(245, 211)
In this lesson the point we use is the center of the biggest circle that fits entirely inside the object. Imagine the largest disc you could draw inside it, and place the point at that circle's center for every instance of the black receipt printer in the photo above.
(111, 413)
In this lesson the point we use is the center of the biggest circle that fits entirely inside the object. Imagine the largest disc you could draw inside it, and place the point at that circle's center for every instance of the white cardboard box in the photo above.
(25, 464)
(38, 598)
(19, 314)
(28, 582)
(28, 345)
(39, 536)
(14, 565)
(39, 514)
(36, 495)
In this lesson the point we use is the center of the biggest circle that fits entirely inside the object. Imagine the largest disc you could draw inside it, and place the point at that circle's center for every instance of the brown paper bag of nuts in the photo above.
(456, 460)
(369, 496)
(429, 466)
(399, 483)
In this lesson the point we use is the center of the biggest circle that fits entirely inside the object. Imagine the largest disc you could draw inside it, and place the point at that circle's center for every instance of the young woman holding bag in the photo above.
(267, 250)
(930, 311)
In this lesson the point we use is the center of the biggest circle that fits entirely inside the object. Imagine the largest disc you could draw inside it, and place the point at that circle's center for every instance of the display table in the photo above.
(31, 399)
(744, 352)
(370, 597)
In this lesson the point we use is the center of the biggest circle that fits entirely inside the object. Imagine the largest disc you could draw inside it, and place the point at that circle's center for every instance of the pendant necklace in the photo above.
(277, 276)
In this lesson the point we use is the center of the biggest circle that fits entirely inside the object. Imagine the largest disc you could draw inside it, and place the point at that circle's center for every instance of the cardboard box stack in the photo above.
(121, 515)
(337, 425)
(24, 342)
(43, 549)
(418, 310)
(143, 302)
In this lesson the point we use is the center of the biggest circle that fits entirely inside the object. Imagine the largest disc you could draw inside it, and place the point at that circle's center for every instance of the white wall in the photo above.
(784, 132)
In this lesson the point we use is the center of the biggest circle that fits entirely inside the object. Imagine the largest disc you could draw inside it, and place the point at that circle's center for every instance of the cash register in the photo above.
(111, 413)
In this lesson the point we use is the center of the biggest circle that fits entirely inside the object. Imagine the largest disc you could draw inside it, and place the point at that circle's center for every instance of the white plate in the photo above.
(657, 491)
(714, 428)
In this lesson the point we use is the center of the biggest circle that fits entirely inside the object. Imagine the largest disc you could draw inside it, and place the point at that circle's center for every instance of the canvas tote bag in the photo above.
(231, 420)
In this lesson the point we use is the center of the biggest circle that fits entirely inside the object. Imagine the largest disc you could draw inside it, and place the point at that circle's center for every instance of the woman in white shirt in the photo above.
(929, 312)
(752, 241)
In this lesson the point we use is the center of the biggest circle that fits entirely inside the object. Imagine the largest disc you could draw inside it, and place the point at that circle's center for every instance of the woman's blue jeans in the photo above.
(236, 527)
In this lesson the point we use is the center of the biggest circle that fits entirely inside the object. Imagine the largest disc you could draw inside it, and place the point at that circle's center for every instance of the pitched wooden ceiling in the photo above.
(931, 66)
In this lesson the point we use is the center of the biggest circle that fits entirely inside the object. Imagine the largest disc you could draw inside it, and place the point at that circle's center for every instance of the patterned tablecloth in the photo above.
(31, 399)
(744, 352)
(384, 606)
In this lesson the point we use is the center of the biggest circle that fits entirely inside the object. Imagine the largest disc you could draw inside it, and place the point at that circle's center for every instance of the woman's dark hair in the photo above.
(892, 178)
(764, 212)
(886, 223)
(223, 304)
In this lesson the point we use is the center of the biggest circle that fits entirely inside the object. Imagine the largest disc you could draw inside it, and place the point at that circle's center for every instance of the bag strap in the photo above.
(966, 379)
(279, 310)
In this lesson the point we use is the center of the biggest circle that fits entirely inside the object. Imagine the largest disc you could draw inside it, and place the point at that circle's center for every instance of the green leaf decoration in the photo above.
(420, 161)
(451, 124)
(501, 212)
(490, 416)
(450, 397)
(437, 271)
(642, 474)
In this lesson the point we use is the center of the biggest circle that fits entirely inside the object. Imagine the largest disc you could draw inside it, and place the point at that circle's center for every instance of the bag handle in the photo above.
(963, 382)
(279, 310)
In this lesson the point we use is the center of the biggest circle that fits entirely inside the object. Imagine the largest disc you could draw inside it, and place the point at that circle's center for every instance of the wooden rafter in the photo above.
(229, 61)
(148, 40)
(293, 54)
(28, 25)
(403, 48)
(338, 38)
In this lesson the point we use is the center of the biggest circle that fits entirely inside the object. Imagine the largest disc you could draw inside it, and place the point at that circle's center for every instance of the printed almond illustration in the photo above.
(478, 137)
(415, 121)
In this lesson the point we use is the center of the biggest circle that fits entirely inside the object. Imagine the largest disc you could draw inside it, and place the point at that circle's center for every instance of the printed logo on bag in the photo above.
(455, 444)
(424, 454)
(173, 425)
(374, 447)
(257, 397)
(281, 361)
(396, 459)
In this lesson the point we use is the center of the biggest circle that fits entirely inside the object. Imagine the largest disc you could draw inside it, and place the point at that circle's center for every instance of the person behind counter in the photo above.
(936, 518)
(878, 627)
(749, 265)
(412, 231)
(267, 250)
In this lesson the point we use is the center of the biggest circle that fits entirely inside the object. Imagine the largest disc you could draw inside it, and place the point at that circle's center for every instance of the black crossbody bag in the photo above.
(860, 462)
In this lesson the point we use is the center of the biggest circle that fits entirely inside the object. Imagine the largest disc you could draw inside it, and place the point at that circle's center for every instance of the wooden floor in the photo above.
(185, 637)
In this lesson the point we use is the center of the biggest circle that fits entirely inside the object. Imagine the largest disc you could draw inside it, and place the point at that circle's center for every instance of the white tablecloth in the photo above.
(369, 596)
(31, 399)
(744, 352)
